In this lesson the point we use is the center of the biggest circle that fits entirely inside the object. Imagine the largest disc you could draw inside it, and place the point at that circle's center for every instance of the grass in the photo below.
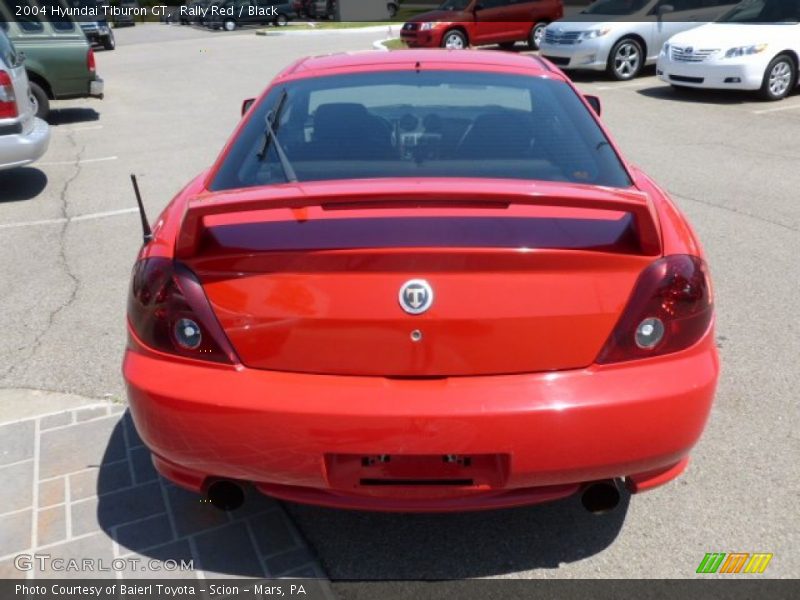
(340, 24)
(326, 25)
(395, 44)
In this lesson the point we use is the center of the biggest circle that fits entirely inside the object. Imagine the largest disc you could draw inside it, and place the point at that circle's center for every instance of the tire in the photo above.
(536, 36)
(41, 103)
(109, 43)
(391, 8)
(779, 78)
(626, 60)
(454, 40)
(229, 25)
(281, 20)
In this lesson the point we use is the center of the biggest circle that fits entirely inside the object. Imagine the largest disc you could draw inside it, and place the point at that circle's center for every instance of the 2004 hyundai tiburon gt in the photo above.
(423, 280)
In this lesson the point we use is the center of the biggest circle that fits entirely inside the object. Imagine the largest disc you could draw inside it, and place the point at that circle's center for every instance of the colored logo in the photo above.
(735, 562)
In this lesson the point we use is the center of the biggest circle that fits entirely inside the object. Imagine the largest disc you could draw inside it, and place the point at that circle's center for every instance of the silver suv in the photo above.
(23, 137)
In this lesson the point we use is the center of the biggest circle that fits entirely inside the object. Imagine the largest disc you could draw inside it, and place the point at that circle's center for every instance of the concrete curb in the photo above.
(350, 30)
(380, 44)
(22, 404)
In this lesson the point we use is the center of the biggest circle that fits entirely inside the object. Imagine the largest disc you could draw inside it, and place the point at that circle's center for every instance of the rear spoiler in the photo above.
(380, 194)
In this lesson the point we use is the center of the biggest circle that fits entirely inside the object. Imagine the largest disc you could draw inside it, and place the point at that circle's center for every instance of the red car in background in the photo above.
(460, 23)
(388, 294)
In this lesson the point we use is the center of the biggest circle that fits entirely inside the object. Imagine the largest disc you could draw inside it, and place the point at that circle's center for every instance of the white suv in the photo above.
(23, 137)
(622, 36)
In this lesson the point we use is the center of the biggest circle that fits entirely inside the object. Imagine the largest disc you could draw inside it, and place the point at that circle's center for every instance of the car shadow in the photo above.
(24, 183)
(385, 546)
(579, 76)
(699, 96)
(150, 518)
(69, 116)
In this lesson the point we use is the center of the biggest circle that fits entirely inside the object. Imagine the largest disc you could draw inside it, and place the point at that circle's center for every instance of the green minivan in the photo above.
(58, 58)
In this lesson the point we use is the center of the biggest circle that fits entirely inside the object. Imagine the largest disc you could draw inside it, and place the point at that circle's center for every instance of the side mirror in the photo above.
(595, 103)
(665, 9)
(247, 104)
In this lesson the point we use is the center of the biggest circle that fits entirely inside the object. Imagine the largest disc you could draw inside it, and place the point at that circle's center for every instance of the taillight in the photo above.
(90, 61)
(8, 100)
(169, 311)
(670, 310)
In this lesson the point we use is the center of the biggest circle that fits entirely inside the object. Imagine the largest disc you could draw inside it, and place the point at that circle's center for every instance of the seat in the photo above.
(349, 131)
(495, 135)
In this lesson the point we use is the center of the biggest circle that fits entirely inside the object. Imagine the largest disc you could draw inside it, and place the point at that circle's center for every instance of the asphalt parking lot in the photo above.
(69, 235)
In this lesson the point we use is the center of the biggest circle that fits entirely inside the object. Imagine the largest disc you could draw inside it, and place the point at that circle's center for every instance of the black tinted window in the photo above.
(429, 124)
(26, 14)
(615, 7)
(8, 55)
(764, 11)
(59, 21)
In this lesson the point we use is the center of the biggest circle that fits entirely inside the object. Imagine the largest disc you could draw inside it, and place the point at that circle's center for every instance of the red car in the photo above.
(421, 281)
(457, 24)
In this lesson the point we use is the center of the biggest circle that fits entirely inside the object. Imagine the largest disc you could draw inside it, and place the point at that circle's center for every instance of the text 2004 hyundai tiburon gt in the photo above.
(423, 280)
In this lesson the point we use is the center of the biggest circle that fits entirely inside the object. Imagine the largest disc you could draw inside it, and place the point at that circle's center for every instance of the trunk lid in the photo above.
(518, 286)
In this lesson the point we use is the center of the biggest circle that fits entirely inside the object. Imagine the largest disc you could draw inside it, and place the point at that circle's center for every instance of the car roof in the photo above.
(478, 60)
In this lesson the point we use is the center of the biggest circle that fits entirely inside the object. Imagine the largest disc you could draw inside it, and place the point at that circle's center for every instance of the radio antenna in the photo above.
(147, 233)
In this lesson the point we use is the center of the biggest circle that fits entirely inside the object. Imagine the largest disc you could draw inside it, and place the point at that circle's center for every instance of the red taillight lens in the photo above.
(670, 309)
(169, 311)
(8, 100)
(90, 61)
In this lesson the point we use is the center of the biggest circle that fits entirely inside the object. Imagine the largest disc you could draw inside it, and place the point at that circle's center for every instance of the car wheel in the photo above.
(536, 36)
(626, 59)
(40, 101)
(229, 25)
(779, 78)
(454, 40)
(109, 43)
(281, 20)
(391, 8)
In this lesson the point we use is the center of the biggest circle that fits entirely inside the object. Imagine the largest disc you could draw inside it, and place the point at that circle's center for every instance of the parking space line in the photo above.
(623, 86)
(62, 220)
(80, 162)
(777, 109)
(105, 214)
(87, 128)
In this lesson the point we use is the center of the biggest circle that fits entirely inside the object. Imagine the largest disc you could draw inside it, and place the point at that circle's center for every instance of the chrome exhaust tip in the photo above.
(601, 497)
(225, 494)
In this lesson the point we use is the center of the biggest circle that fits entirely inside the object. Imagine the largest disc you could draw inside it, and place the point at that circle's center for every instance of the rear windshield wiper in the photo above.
(270, 136)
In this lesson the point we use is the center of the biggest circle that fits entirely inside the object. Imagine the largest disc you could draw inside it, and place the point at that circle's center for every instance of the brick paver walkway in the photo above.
(79, 484)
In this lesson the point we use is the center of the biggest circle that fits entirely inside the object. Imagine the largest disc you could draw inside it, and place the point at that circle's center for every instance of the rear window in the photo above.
(424, 124)
(28, 15)
(55, 15)
(764, 12)
(8, 55)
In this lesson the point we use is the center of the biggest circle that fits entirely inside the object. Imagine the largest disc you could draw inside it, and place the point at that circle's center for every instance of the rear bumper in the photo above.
(24, 148)
(96, 36)
(554, 432)
(97, 88)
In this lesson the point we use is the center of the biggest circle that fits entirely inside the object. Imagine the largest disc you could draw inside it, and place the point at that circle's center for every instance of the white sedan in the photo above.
(754, 47)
